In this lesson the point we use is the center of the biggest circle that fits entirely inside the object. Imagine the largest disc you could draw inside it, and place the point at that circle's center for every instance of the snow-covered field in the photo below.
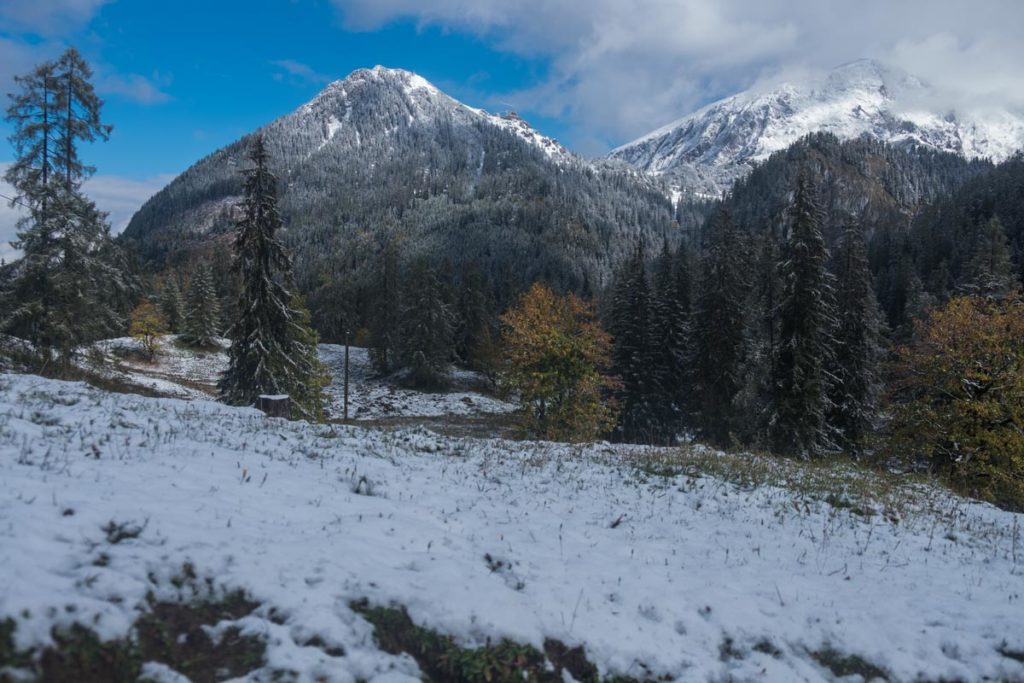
(175, 370)
(188, 373)
(371, 398)
(681, 577)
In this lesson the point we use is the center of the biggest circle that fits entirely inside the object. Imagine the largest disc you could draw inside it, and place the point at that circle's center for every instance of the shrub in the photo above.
(148, 324)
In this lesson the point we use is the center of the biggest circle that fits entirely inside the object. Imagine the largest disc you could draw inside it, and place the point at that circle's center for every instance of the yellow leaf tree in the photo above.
(555, 352)
(147, 325)
(960, 394)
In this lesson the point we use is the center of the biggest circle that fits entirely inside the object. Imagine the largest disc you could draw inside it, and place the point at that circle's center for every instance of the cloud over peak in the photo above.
(619, 69)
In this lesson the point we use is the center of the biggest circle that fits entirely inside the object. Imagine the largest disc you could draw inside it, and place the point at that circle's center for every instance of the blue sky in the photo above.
(183, 78)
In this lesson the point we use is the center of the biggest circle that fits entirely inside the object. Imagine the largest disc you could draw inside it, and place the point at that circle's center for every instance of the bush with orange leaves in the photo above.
(555, 352)
(960, 394)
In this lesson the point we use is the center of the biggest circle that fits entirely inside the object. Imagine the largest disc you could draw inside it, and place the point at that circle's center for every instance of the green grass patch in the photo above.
(842, 483)
(842, 665)
(442, 660)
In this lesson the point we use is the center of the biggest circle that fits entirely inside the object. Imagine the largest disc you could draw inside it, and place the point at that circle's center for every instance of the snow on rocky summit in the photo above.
(708, 150)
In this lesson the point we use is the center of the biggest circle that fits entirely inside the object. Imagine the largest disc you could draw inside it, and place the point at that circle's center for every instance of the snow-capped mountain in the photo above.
(708, 150)
(370, 102)
(384, 154)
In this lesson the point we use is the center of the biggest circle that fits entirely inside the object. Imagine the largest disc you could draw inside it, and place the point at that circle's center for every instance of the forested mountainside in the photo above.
(385, 160)
(895, 194)
(875, 183)
(708, 150)
(947, 235)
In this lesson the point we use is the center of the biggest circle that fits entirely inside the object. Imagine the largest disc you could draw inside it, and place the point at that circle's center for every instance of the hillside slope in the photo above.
(879, 185)
(121, 510)
(384, 156)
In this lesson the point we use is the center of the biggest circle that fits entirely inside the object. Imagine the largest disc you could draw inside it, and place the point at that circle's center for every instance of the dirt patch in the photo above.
(168, 632)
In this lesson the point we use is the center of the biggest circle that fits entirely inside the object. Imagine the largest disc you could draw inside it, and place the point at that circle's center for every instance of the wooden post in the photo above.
(275, 406)
(345, 411)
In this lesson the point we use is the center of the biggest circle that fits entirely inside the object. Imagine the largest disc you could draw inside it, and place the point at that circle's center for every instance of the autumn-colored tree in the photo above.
(555, 352)
(148, 324)
(960, 393)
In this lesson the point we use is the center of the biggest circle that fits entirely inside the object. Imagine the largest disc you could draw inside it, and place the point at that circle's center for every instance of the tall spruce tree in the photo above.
(80, 116)
(762, 343)
(720, 326)
(427, 328)
(858, 349)
(66, 289)
(202, 313)
(685, 274)
(172, 304)
(990, 271)
(474, 324)
(672, 352)
(273, 348)
(807, 322)
(34, 112)
(385, 317)
(633, 359)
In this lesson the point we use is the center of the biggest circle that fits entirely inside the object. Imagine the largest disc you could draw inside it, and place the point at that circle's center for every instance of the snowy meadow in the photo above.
(313, 541)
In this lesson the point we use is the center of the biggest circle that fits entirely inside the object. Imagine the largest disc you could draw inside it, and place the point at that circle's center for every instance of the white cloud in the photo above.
(36, 31)
(133, 87)
(619, 69)
(122, 197)
(18, 58)
(119, 197)
(48, 17)
(297, 71)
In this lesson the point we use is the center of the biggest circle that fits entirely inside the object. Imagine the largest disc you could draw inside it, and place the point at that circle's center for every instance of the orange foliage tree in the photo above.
(555, 352)
(960, 394)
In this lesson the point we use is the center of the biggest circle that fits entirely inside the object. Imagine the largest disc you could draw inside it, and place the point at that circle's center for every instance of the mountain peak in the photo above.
(706, 151)
(420, 99)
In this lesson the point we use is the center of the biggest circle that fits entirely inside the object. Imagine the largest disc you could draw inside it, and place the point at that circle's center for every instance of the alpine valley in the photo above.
(393, 389)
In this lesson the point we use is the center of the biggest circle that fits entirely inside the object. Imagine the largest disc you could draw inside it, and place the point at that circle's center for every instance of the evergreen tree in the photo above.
(761, 344)
(172, 304)
(686, 270)
(80, 116)
(858, 343)
(202, 316)
(273, 349)
(672, 351)
(806, 342)
(719, 328)
(633, 352)
(34, 112)
(474, 324)
(427, 327)
(385, 316)
(990, 271)
(66, 289)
